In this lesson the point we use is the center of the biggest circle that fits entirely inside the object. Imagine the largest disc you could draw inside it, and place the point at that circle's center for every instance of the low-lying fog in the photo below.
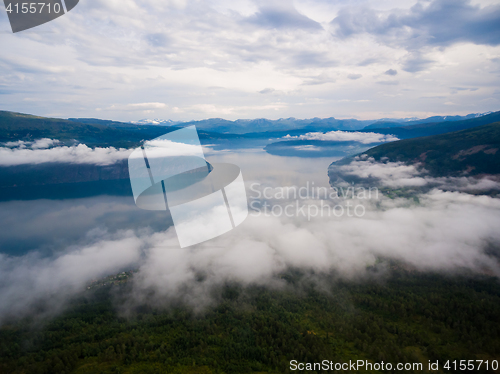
(292, 223)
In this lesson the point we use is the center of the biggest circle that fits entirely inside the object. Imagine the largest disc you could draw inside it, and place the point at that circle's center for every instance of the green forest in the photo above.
(402, 317)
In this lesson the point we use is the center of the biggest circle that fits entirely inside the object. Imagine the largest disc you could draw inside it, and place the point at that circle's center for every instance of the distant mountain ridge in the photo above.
(390, 123)
(436, 128)
(246, 126)
(98, 132)
(91, 131)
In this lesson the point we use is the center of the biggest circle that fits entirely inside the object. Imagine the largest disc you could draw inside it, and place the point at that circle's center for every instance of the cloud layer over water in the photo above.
(345, 136)
(39, 153)
(399, 174)
(444, 231)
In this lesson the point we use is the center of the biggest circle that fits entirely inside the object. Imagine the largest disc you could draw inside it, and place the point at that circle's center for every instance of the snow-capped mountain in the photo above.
(156, 121)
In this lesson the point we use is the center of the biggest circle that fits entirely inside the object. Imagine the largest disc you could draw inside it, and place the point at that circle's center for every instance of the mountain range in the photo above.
(244, 126)
(435, 128)
(324, 148)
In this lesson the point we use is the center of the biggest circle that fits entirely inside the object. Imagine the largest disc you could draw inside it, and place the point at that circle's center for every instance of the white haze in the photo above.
(398, 174)
(17, 153)
(35, 144)
(445, 231)
(345, 136)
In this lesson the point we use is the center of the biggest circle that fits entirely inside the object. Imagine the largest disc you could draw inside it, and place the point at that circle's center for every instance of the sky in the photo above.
(191, 59)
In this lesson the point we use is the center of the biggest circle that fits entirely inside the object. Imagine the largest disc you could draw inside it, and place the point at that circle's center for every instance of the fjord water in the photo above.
(59, 217)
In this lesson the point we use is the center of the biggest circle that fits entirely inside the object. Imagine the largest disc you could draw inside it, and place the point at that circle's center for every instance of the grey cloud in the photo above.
(391, 72)
(282, 17)
(354, 76)
(158, 40)
(455, 90)
(267, 90)
(317, 80)
(312, 59)
(129, 53)
(416, 62)
(437, 233)
(368, 61)
(388, 83)
(435, 23)
(398, 174)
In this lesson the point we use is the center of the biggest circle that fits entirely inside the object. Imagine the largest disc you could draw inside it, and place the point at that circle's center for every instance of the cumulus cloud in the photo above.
(39, 153)
(124, 61)
(437, 22)
(391, 174)
(36, 144)
(445, 231)
(267, 90)
(282, 15)
(307, 148)
(437, 234)
(354, 76)
(346, 136)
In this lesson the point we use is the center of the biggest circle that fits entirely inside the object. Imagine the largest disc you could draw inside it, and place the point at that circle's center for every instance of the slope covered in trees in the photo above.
(473, 151)
(409, 317)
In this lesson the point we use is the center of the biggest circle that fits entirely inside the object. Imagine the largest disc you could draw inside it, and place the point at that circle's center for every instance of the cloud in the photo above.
(416, 62)
(267, 90)
(391, 72)
(443, 231)
(317, 80)
(307, 148)
(79, 154)
(117, 61)
(399, 174)
(345, 136)
(388, 83)
(44, 143)
(36, 144)
(438, 22)
(282, 15)
(437, 234)
(144, 107)
(147, 105)
(390, 174)
(354, 76)
(32, 280)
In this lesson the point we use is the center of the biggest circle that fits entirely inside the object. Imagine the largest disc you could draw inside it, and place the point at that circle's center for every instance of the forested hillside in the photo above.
(409, 317)
(473, 151)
